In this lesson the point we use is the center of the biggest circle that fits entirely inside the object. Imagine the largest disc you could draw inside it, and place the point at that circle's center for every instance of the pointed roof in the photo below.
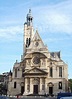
(37, 43)
(37, 36)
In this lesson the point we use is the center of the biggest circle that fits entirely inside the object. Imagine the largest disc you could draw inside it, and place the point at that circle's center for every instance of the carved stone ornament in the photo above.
(36, 44)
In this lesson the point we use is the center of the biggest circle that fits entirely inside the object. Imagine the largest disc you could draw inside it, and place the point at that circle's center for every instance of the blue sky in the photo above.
(52, 18)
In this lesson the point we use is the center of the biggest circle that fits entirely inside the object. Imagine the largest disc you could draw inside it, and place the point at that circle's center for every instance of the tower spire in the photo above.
(29, 18)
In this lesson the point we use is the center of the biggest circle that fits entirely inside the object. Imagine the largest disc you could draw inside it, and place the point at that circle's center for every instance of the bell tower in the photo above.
(28, 31)
(29, 18)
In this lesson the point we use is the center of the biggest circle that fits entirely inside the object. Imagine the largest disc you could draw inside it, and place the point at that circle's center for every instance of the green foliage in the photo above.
(70, 84)
(3, 89)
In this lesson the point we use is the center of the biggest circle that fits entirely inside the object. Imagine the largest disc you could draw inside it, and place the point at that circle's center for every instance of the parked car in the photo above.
(64, 95)
(3, 97)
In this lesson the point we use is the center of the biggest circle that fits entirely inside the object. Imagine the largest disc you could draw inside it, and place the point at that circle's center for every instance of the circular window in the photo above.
(36, 60)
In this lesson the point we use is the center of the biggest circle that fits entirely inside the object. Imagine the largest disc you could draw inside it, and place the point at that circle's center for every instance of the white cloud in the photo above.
(11, 32)
(52, 18)
(55, 18)
(52, 39)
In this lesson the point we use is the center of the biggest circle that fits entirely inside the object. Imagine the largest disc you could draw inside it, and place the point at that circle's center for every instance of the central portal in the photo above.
(35, 89)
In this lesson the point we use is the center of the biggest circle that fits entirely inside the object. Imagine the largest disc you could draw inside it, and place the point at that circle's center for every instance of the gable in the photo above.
(37, 43)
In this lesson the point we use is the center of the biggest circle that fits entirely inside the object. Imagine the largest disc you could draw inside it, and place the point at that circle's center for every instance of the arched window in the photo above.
(51, 72)
(29, 41)
(60, 71)
(29, 19)
(16, 72)
(23, 72)
(60, 85)
(14, 84)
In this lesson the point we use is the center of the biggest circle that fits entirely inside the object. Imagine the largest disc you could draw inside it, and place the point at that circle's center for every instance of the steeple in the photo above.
(28, 31)
(10, 73)
(29, 18)
(10, 76)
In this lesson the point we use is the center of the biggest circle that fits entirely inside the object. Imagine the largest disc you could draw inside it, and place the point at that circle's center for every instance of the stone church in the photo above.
(40, 71)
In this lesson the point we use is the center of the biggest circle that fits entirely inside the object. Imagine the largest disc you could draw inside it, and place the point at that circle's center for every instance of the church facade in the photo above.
(39, 71)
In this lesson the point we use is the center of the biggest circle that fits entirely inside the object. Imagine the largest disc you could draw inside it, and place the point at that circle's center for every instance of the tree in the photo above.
(70, 84)
(3, 89)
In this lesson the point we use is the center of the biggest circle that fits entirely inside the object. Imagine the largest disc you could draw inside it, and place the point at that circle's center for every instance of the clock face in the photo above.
(36, 44)
(36, 60)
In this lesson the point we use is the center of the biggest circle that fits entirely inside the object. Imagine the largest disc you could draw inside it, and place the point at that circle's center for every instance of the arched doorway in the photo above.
(36, 82)
(35, 89)
(50, 90)
(22, 88)
(50, 85)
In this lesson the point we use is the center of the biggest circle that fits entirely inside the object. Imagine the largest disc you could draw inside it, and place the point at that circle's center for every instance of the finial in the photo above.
(10, 70)
(29, 10)
(16, 61)
(10, 73)
(37, 30)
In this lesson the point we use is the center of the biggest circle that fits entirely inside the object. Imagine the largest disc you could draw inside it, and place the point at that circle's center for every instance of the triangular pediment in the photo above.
(35, 71)
(37, 37)
(37, 43)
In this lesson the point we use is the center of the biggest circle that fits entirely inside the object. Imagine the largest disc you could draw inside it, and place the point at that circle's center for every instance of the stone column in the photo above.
(25, 86)
(31, 85)
(54, 72)
(46, 86)
(40, 85)
(47, 89)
